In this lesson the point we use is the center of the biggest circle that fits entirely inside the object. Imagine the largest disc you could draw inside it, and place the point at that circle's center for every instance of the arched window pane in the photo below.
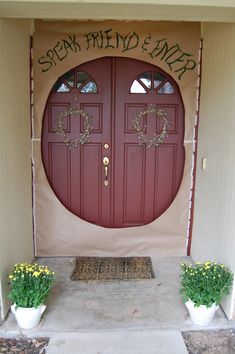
(81, 78)
(158, 79)
(63, 88)
(166, 89)
(146, 79)
(136, 87)
(90, 87)
(69, 77)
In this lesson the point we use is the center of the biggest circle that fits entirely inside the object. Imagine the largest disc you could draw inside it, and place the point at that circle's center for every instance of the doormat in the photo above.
(112, 268)
(210, 342)
(23, 345)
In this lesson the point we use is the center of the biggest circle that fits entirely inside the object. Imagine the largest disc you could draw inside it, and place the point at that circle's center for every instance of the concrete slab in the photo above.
(106, 317)
(76, 306)
(157, 342)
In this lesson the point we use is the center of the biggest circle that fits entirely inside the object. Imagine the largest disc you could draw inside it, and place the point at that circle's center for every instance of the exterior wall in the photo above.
(168, 10)
(16, 240)
(214, 222)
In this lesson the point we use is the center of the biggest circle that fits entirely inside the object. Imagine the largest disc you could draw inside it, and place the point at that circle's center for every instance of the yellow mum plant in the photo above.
(30, 284)
(205, 283)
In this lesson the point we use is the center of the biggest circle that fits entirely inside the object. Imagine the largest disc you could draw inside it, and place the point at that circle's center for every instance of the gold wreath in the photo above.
(154, 140)
(84, 136)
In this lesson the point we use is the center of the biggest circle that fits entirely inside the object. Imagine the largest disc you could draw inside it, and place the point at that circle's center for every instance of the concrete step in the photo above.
(154, 342)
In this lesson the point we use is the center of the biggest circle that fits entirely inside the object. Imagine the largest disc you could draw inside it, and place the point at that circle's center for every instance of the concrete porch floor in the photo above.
(104, 317)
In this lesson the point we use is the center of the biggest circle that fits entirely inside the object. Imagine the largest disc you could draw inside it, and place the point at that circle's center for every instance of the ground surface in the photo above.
(210, 342)
(23, 345)
(197, 342)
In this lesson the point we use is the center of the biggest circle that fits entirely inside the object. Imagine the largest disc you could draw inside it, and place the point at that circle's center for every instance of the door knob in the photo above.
(106, 161)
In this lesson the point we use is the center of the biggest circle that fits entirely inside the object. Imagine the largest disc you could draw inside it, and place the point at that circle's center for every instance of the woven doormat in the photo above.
(112, 268)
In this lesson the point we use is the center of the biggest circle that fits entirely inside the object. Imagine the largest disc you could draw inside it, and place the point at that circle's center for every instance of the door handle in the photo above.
(106, 164)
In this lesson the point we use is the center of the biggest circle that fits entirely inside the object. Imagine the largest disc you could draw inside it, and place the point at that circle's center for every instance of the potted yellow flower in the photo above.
(30, 286)
(204, 284)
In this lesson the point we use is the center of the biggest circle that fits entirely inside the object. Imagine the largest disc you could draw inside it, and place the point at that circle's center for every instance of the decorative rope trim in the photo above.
(154, 140)
(84, 136)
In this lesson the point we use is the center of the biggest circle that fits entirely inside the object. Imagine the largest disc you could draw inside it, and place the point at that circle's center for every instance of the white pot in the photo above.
(28, 318)
(201, 315)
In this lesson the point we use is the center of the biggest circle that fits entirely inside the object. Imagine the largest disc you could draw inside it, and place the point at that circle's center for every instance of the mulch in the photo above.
(112, 268)
(210, 341)
(23, 345)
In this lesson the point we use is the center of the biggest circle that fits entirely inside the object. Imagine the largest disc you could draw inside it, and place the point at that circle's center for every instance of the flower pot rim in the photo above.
(26, 308)
(213, 304)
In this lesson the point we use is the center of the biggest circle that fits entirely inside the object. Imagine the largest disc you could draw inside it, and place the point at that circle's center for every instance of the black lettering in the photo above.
(123, 39)
(155, 50)
(166, 50)
(51, 55)
(88, 39)
(146, 42)
(177, 60)
(102, 39)
(57, 49)
(95, 36)
(190, 65)
(132, 37)
(108, 37)
(42, 61)
(67, 46)
(92, 39)
(177, 49)
(75, 44)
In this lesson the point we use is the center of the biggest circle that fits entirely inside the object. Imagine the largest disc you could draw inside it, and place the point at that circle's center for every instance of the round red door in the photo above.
(112, 180)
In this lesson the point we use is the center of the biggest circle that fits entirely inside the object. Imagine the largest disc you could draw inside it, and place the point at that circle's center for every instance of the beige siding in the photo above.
(214, 219)
(175, 10)
(16, 240)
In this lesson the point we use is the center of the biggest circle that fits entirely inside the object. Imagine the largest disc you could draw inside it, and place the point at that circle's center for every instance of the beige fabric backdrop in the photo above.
(60, 46)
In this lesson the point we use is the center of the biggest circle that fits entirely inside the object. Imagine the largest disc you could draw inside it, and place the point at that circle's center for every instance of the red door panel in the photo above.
(79, 171)
(142, 182)
(148, 179)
